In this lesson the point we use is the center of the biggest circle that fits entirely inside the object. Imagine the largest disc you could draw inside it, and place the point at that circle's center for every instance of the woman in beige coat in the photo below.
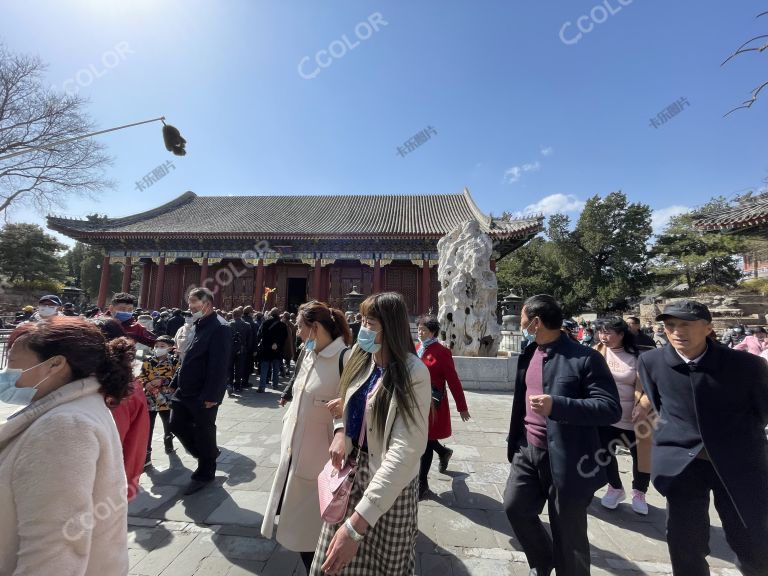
(307, 430)
(63, 496)
(386, 389)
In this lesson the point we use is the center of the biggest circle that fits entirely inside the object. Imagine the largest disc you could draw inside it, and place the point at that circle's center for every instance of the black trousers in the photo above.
(610, 438)
(195, 427)
(165, 418)
(530, 486)
(238, 371)
(426, 462)
(688, 524)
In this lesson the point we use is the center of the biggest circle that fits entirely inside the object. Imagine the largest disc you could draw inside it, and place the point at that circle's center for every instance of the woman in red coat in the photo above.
(439, 360)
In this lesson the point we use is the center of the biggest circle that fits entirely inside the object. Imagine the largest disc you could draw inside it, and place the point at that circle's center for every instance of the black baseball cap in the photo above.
(685, 310)
(51, 298)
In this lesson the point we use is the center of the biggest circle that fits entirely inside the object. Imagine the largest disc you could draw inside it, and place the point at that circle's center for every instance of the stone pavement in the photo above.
(463, 531)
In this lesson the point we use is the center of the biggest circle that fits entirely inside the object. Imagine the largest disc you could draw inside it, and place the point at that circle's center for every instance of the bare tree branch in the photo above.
(748, 103)
(32, 119)
(741, 49)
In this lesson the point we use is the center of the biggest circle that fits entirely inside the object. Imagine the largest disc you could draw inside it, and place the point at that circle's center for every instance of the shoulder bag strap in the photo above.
(341, 361)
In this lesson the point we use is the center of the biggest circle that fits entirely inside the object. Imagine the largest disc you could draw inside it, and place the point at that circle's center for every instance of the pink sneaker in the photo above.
(638, 502)
(612, 497)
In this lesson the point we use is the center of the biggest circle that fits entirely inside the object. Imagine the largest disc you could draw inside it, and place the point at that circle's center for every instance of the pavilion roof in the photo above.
(329, 216)
(751, 211)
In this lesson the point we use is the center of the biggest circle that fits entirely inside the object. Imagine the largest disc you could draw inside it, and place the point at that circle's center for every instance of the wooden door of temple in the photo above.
(344, 277)
(235, 286)
(403, 279)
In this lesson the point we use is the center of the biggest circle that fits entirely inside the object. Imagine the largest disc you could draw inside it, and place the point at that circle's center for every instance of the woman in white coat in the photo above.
(63, 496)
(307, 430)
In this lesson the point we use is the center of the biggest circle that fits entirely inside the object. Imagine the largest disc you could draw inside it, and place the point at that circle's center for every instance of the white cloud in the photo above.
(513, 174)
(547, 151)
(661, 216)
(553, 204)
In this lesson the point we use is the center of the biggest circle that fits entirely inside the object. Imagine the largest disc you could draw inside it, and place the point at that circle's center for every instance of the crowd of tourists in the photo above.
(366, 408)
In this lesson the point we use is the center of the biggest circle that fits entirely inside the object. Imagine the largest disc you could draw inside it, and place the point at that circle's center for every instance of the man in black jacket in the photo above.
(175, 322)
(200, 384)
(241, 345)
(641, 338)
(712, 403)
(248, 319)
(273, 336)
(563, 392)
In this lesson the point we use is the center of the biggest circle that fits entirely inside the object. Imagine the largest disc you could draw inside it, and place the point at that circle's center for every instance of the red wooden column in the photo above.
(146, 273)
(376, 276)
(104, 283)
(317, 280)
(426, 286)
(127, 269)
(160, 283)
(258, 286)
(203, 272)
(324, 293)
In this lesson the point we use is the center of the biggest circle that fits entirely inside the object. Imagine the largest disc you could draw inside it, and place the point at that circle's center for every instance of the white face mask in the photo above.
(188, 320)
(46, 311)
(160, 352)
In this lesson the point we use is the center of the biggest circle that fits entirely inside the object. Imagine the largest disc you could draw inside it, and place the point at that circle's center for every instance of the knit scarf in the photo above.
(424, 345)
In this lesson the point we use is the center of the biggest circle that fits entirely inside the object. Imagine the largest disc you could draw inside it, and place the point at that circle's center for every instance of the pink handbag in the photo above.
(335, 486)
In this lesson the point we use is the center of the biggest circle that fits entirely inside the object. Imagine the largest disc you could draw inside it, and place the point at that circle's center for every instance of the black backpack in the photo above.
(237, 340)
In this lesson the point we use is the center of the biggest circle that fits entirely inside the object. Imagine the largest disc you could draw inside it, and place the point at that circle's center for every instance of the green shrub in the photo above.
(712, 289)
(757, 285)
(42, 286)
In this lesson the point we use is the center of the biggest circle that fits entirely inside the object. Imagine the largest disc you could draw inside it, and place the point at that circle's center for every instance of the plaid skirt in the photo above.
(389, 547)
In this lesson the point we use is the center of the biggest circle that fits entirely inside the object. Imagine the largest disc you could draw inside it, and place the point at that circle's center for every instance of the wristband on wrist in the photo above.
(354, 534)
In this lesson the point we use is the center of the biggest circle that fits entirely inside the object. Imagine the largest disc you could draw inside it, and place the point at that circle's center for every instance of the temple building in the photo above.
(305, 247)
(748, 218)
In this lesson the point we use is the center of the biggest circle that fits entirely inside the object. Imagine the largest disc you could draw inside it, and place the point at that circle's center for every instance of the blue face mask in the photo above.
(10, 393)
(527, 335)
(366, 339)
(123, 316)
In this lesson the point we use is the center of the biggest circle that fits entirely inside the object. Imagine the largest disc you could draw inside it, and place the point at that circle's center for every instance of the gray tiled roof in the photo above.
(750, 212)
(190, 214)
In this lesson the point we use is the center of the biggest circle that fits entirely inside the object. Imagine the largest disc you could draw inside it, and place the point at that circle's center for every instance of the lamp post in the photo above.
(171, 137)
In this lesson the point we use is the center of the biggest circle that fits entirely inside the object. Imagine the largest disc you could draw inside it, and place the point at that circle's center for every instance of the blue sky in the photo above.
(525, 120)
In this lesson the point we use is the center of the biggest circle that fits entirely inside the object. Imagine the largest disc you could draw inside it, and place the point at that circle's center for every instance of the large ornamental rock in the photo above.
(468, 292)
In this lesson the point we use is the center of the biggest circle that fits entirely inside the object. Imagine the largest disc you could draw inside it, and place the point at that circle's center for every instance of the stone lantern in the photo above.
(75, 295)
(511, 308)
(353, 300)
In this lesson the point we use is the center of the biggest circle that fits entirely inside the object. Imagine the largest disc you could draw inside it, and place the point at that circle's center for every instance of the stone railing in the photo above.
(496, 374)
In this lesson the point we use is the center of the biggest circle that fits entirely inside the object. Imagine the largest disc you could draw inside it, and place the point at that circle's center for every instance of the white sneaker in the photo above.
(638, 502)
(612, 498)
